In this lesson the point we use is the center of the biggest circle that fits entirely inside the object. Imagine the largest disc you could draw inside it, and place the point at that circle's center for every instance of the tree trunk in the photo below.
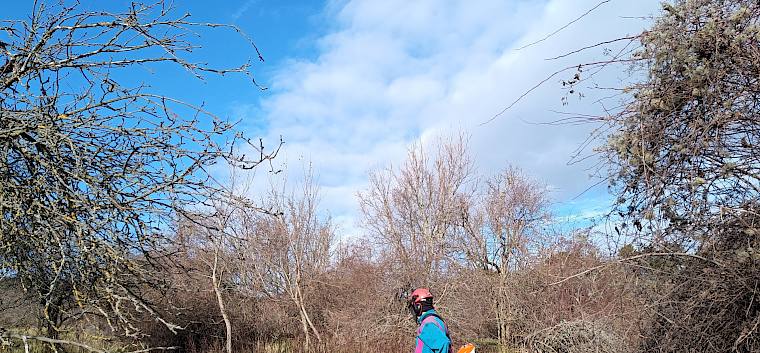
(306, 324)
(302, 305)
(503, 315)
(305, 328)
(220, 302)
(503, 309)
(53, 318)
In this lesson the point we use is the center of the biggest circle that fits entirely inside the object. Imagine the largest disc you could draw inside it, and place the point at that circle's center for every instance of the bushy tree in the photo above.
(685, 163)
(685, 153)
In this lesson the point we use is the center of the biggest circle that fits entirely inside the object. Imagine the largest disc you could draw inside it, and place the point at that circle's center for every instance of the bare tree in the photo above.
(441, 228)
(414, 212)
(517, 212)
(217, 230)
(499, 233)
(94, 170)
(286, 252)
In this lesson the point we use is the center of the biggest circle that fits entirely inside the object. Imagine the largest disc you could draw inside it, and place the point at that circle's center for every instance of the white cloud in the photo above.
(242, 10)
(394, 72)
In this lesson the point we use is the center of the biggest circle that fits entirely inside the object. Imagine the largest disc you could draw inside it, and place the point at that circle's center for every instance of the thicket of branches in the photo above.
(113, 226)
(286, 282)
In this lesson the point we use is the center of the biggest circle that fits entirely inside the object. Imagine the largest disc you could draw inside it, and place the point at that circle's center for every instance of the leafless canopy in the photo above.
(93, 167)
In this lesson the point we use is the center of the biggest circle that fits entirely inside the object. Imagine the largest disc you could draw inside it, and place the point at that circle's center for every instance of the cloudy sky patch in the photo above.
(386, 74)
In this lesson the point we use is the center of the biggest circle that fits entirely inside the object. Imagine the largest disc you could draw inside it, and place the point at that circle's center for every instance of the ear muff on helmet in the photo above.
(416, 304)
(417, 308)
(412, 305)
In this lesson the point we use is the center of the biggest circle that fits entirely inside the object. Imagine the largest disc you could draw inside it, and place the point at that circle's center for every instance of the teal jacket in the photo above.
(432, 334)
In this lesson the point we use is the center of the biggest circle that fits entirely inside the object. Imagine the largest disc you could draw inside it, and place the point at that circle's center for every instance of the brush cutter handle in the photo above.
(467, 348)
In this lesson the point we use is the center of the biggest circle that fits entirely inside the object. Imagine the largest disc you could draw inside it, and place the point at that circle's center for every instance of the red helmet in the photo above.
(420, 294)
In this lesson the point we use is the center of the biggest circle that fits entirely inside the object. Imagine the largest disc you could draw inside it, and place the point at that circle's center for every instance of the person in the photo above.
(432, 333)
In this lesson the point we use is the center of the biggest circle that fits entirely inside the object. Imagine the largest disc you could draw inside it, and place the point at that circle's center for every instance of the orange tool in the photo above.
(467, 348)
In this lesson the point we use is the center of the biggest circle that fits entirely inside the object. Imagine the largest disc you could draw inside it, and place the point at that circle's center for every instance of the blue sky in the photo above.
(353, 83)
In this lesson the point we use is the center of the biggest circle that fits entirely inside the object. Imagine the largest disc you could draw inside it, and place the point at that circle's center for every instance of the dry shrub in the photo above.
(362, 307)
(17, 308)
(468, 304)
(548, 294)
(577, 337)
(191, 304)
(710, 303)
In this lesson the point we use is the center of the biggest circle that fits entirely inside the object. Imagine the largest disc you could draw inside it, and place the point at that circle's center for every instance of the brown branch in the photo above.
(636, 257)
(565, 26)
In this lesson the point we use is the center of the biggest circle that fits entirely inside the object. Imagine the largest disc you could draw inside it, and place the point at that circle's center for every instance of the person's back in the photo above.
(432, 333)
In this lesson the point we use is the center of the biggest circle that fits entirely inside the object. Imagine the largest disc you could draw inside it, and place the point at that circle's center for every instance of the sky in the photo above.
(373, 77)
(352, 84)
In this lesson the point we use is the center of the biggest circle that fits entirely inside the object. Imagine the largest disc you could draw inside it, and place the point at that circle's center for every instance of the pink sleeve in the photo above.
(418, 349)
